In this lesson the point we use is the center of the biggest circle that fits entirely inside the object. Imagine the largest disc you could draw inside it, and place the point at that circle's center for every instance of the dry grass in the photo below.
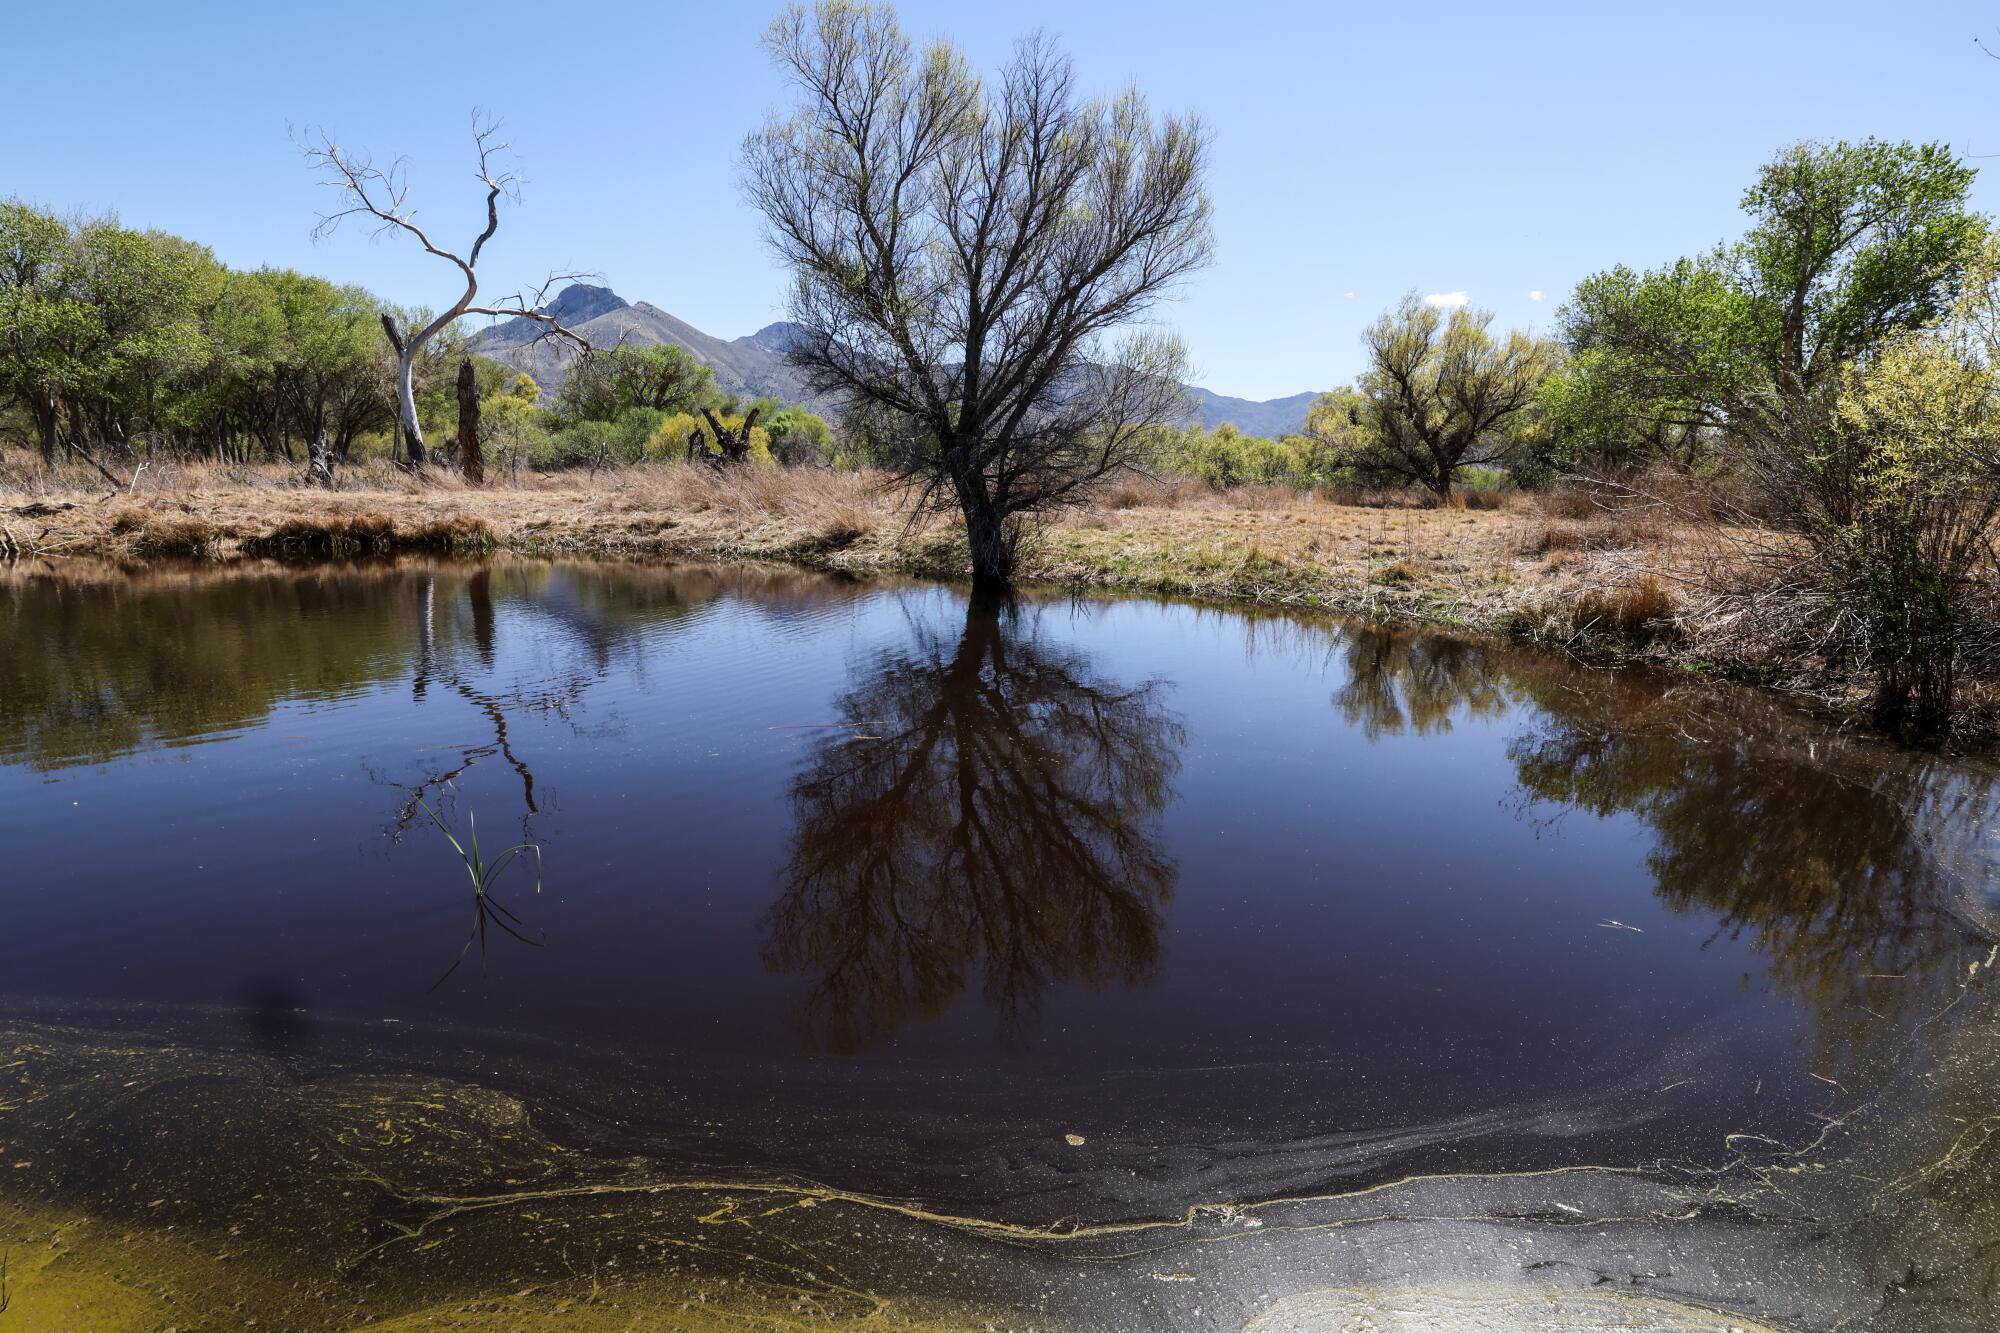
(368, 532)
(1643, 607)
(1494, 561)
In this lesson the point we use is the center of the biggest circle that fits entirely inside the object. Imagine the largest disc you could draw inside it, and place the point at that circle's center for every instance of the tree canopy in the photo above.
(1440, 393)
(970, 261)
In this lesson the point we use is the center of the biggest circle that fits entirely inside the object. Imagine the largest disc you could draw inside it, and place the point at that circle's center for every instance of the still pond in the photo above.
(882, 959)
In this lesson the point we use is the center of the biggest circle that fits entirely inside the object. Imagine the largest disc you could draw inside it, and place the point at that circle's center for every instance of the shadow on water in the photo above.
(989, 806)
(275, 1013)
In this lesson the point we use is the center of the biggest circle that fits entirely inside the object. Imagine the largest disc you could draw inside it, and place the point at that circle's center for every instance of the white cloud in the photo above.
(1535, 295)
(1348, 295)
(1447, 300)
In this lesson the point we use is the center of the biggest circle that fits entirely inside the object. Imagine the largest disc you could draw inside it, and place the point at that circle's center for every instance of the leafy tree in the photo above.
(306, 358)
(101, 325)
(1793, 347)
(659, 377)
(1592, 422)
(513, 422)
(39, 316)
(965, 259)
(1440, 393)
(112, 339)
(798, 436)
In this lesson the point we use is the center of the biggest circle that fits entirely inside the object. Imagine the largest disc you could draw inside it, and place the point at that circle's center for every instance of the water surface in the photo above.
(1356, 958)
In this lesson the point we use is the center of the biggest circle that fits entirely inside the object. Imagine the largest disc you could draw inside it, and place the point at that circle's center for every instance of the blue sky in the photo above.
(1360, 150)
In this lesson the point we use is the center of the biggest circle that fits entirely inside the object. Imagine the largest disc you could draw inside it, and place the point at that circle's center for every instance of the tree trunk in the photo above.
(406, 394)
(44, 410)
(468, 424)
(990, 538)
(481, 592)
(413, 433)
(319, 463)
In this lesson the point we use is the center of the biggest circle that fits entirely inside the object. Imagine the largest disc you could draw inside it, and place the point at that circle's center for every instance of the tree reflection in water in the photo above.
(1846, 864)
(991, 805)
(1399, 682)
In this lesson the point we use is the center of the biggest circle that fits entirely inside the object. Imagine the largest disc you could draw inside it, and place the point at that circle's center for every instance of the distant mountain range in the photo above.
(755, 366)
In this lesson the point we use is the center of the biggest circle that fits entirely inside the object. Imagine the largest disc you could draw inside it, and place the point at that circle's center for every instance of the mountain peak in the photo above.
(756, 365)
(575, 304)
(580, 301)
(777, 339)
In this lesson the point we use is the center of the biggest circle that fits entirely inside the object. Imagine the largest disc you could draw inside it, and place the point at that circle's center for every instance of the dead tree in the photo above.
(731, 447)
(319, 463)
(383, 194)
(468, 424)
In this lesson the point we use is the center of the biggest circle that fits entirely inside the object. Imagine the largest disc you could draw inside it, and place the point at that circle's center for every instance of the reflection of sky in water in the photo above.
(1370, 881)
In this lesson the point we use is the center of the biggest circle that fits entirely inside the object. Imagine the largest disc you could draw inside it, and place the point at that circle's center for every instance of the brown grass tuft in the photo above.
(146, 533)
(1641, 607)
(842, 525)
(369, 533)
(1604, 530)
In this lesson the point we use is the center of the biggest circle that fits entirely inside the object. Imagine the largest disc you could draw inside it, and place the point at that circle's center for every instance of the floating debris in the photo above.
(1609, 924)
(1073, 1140)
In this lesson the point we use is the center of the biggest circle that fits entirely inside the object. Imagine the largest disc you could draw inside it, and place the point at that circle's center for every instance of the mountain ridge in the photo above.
(754, 365)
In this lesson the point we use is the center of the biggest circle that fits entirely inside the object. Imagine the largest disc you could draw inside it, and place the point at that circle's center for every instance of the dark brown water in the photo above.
(1360, 961)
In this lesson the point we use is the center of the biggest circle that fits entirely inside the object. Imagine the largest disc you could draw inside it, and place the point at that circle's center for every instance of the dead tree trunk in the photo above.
(734, 446)
(468, 424)
(406, 398)
(380, 194)
(319, 463)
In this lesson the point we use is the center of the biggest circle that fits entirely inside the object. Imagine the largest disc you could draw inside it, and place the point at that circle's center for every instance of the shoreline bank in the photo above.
(1608, 589)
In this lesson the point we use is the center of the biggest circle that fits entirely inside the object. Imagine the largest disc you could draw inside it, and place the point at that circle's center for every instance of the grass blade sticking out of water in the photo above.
(484, 875)
(6, 1296)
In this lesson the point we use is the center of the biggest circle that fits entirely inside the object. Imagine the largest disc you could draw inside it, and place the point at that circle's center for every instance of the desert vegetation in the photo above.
(1786, 443)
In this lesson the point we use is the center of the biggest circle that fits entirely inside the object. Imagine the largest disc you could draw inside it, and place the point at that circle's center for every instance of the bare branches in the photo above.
(382, 193)
(963, 257)
(533, 305)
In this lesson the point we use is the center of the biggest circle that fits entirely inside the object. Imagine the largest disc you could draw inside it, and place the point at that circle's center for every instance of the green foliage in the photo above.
(1910, 464)
(512, 424)
(1441, 394)
(1848, 245)
(117, 339)
(1833, 358)
(485, 875)
(658, 377)
(668, 442)
(1227, 457)
(797, 436)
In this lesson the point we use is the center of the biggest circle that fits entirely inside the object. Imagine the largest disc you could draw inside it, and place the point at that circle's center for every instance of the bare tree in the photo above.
(967, 260)
(383, 194)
